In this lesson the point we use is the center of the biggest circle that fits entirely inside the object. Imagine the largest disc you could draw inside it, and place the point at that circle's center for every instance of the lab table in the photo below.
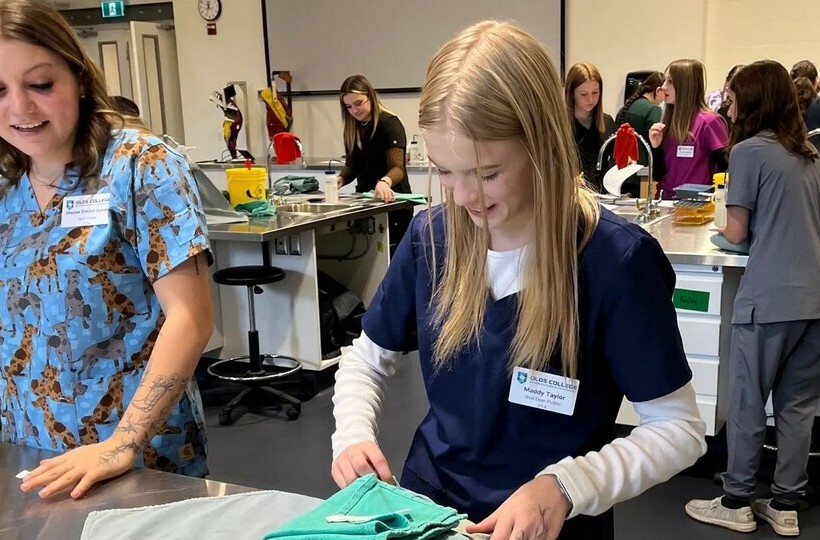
(706, 282)
(26, 516)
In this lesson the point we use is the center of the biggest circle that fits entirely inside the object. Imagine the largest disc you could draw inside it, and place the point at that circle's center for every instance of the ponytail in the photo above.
(650, 84)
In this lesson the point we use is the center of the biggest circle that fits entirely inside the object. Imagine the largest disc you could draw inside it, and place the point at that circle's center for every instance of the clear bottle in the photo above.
(331, 187)
(414, 153)
(720, 206)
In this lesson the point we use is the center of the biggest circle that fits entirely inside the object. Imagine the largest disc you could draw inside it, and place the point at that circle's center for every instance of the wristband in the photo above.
(390, 185)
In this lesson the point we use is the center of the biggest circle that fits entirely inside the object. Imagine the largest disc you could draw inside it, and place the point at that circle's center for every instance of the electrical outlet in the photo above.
(295, 245)
(281, 246)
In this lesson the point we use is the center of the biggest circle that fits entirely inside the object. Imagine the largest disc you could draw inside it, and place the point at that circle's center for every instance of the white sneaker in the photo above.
(713, 512)
(784, 522)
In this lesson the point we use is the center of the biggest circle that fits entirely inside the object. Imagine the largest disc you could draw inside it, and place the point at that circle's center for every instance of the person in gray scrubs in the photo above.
(774, 200)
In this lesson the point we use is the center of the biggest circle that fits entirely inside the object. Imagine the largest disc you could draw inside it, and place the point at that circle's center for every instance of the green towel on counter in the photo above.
(417, 198)
(256, 208)
(369, 508)
(720, 241)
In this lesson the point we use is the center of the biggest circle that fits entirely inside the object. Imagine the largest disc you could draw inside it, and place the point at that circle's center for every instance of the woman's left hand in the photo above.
(80, 468)
(536, 511)
(383, 191)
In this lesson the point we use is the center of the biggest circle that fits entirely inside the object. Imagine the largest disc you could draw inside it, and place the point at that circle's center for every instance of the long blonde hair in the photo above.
(358, 84)
(577, 75)
(689, 79)
(492, 82)
(33, 22)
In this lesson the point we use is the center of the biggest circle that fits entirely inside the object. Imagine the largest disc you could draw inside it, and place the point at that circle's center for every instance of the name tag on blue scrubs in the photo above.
(545, 391)
(82, 210)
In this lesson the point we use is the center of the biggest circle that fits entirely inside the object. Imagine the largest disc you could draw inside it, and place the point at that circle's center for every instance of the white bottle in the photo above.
(414, 153)
(331, 188)
(720, 206)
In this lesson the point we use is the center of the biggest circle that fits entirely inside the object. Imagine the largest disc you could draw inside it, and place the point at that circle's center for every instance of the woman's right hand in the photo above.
(340, 181)
(358, 460)
(656, 134)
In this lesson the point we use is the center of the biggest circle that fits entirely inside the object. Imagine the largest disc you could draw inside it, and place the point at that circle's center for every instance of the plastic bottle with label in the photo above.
(720, 206)
(415, 156)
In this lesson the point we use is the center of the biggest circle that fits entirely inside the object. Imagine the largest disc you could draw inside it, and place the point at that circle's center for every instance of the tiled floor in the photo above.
(295, 456)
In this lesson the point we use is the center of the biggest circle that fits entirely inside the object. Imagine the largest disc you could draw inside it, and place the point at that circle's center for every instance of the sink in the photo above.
(313, 208)
(630, 213)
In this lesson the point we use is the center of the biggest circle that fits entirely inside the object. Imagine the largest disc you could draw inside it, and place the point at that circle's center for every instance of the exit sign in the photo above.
(113, 9)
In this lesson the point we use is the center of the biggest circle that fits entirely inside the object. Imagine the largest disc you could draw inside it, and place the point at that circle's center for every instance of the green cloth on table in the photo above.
(370, 508)
(720, 241)
(417, 198)
(256, 208)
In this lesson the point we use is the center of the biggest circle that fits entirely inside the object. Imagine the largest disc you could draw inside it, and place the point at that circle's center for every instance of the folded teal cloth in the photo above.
(370, 508)
(720, 241)
(256, 208)
(417, 198)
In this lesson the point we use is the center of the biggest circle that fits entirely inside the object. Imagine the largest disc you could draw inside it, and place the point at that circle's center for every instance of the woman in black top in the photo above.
(375, 144)
(583, 91)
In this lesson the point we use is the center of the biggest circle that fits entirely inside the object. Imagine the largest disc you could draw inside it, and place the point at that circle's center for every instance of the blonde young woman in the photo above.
(375, 143)
(521, 296)
(584, 94)
(690, 139)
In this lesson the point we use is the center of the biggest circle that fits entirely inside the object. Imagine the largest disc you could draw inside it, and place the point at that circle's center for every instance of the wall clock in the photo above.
(210, 10)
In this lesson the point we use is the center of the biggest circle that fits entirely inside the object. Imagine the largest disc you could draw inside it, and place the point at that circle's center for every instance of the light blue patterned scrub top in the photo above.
(78, 311)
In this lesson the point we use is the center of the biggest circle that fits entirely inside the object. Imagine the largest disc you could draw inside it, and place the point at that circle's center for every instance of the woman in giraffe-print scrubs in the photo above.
(104, 294)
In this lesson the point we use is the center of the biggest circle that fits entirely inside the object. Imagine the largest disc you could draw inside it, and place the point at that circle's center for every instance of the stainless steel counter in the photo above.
(311, 164)
(26, 516)
(688, 244)
(265, 229)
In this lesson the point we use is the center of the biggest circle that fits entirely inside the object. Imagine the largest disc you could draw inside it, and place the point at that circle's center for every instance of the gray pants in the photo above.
(784, 359)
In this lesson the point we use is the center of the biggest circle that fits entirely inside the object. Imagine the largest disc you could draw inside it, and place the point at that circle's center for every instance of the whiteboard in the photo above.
(321, 42)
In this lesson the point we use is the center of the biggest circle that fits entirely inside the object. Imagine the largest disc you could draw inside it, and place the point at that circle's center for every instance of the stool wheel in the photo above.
(292, 413)
(225, 418)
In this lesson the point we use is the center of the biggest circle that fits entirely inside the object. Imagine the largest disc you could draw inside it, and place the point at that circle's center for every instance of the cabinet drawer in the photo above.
(698, 293)
(701, 335)
(704, 375)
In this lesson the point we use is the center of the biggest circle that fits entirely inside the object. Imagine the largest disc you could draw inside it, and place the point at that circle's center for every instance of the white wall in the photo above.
(742, 31)
(207, 63)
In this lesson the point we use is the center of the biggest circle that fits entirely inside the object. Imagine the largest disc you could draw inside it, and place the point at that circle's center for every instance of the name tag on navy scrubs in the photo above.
(686, 151)
(83, 210)
(545, 391)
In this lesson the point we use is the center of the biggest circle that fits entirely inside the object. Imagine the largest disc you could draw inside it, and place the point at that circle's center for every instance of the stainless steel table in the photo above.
(27, 517)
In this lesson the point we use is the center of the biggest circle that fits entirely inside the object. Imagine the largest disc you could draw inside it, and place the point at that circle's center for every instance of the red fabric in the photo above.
(284, 144)
(626, 146)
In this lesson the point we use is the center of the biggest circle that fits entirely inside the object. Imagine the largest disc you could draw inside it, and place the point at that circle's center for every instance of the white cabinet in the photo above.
(703, 301)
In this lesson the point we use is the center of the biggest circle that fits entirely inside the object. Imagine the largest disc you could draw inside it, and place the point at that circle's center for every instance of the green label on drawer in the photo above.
(691, 300)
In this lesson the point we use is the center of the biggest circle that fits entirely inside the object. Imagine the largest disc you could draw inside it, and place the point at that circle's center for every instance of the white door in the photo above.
(155, 76)
(109, 47)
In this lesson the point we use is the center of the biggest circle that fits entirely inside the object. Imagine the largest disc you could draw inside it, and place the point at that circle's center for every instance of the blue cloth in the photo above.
(475, 448)
(79, 315)
(720, 241)
(369, 508)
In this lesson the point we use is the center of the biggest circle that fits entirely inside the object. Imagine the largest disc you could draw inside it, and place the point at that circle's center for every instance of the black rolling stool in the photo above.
(257, 372)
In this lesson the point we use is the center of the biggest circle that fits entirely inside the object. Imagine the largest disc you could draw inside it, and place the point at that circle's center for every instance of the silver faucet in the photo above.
(813, 133)
(650, 209)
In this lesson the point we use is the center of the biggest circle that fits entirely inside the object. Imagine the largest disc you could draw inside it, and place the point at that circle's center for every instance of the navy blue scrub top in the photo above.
(475, 448)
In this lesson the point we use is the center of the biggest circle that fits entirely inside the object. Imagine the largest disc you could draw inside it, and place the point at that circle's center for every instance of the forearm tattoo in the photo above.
(135, 429)
(159, 387)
